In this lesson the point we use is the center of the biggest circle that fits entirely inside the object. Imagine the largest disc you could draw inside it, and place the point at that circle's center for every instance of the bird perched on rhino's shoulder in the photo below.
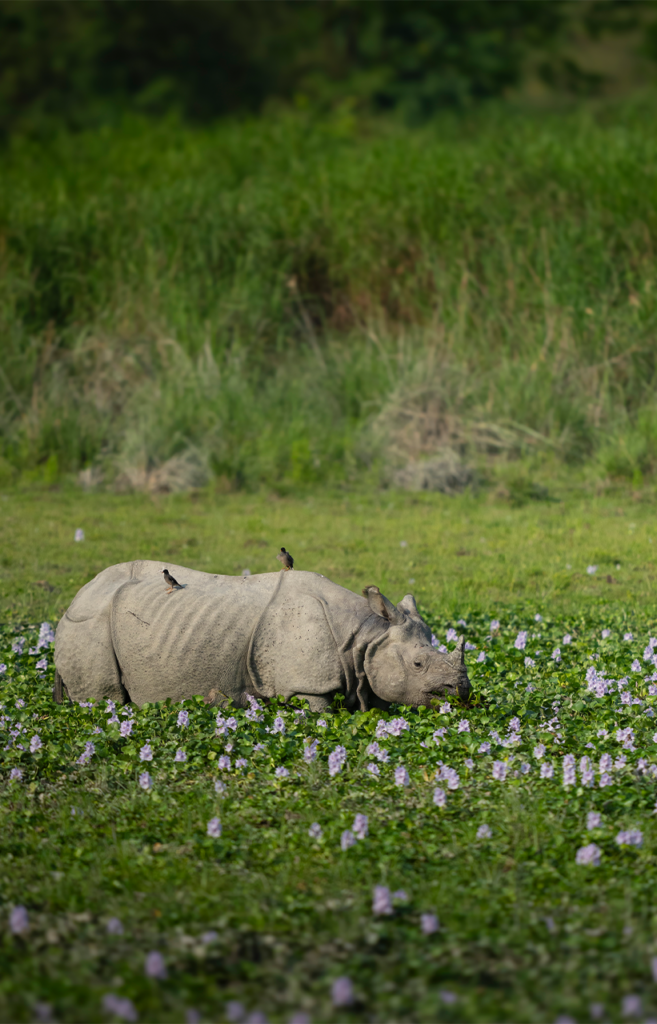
(285, 558)
(169, 580)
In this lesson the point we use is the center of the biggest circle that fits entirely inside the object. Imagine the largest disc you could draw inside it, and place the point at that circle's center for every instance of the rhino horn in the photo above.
(380, 605)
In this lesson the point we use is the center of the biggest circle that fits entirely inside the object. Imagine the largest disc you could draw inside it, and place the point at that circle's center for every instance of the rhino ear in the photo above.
(409, 607)
(380, 605)
(458, 654)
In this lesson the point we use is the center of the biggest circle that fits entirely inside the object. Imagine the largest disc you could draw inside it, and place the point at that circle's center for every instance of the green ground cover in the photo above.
(119, 900)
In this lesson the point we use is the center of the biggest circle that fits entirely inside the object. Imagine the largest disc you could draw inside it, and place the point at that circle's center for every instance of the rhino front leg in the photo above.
(315, 702)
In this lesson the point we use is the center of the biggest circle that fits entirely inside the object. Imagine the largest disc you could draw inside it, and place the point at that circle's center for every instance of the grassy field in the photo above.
(455, 554)
(291, 300)
(119, 902)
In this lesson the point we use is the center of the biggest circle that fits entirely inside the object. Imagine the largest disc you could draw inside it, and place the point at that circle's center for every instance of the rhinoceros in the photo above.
(282, 634)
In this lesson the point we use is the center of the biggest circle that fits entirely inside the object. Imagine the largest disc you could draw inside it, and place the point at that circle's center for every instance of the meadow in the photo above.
(490, 861)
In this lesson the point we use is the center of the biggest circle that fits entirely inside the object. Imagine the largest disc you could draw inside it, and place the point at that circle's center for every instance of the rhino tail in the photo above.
(59, 690)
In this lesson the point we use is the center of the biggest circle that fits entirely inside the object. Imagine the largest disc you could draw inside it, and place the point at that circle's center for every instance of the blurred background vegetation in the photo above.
(280, 243)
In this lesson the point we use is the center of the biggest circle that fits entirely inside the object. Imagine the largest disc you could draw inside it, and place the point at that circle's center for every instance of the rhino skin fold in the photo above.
(280, 634)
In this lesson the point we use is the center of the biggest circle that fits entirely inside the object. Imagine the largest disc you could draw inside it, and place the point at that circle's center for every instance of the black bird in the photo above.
(169, 580)
(286, 560)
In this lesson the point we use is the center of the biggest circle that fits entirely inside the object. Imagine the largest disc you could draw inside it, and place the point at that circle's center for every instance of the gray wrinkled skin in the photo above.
(277, 634)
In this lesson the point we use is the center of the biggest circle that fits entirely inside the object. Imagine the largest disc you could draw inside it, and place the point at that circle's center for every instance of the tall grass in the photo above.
(294, 300)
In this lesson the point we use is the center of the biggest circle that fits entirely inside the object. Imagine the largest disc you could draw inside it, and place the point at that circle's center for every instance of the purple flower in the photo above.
(494, 625)
(35, 743)
(556, 654)
(315, 830)
(439, 734)
(593, 820)
(606, 763)
(380, 753)
(539, 750)
(434, 640)
(464, 725)
(631, 1006)
(525, 768)
(17, 647)
(281, 773)
(20, 703)
(636, 665)
(42, 664)
(209, 936)
(19, 921)
(469, 763)
(219, 787)
(223, 763)
(241, 762)
(183, 719)
(342, 993)
(606, 633)
(322, 723)
(567, 640)
(114, 926)
(154, 966)
(214, 828)
(547, 771)
(445, 708)
(381, 901)
(3, 668)
(484, 747)
(146, 753)
(586, 771)
(529, 662)
(481, 656)
(278, 726)
(360, 826)
(79, 535)
(15, 774)
(451, 636)
(484, 832)
(395, 726)
(605, 780)
(429, 924)
(87, 753)
(632, 837)
(120, 1007)
(569, 777)
(589, 854)
(401, 776)
(373, 769)
(145, 780)
(499, 770)
(448, 998)
(310, 751)
(126, 728)
(180, 755)
(591, 569)
(347, 839)
(336, 760)
(469, 646)
(520, 641)
(439, 797)
(628, 636)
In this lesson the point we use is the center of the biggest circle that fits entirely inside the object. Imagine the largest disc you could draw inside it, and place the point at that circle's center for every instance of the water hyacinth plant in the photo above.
(350, 845)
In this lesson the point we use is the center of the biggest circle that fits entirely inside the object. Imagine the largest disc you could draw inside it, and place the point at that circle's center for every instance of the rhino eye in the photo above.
(417, 663)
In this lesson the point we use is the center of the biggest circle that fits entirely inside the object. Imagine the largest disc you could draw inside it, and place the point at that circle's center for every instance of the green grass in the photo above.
(525, 932)
(463, 553)
(296, 300)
